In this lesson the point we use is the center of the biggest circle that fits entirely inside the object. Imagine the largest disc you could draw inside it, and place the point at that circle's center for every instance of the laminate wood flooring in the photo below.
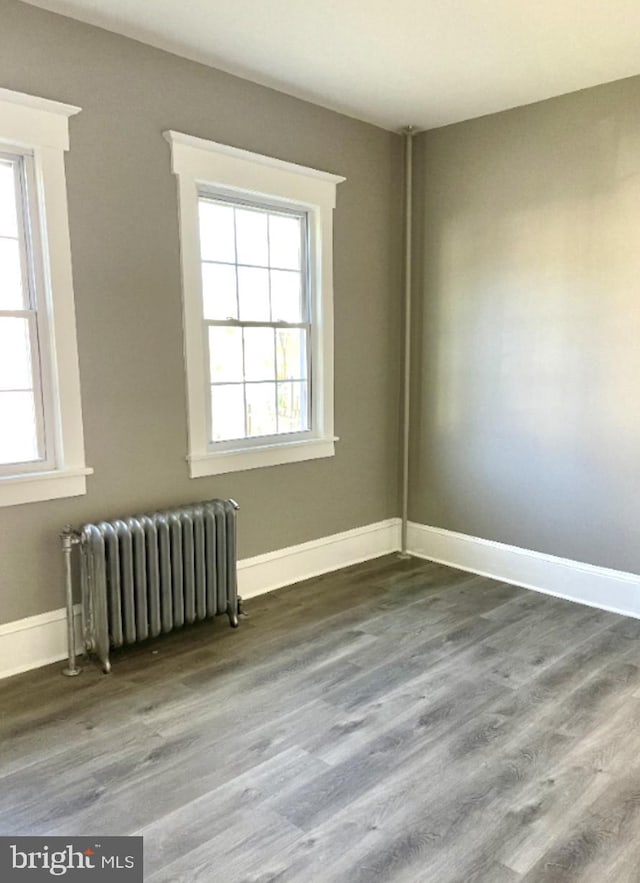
(394, 721)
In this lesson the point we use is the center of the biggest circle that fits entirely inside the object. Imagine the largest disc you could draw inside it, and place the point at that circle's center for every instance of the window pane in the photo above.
(227, 412)
(253, 293)
(8, 215)
(216, 232)
(259, 354)
(286, 300)
(15, 354)
(219, 291)
(261, 409)
(10, 275)
(291, 355)
(225, 354)
(292, 407)
(18, 437)
(251, 237)
(284, 242)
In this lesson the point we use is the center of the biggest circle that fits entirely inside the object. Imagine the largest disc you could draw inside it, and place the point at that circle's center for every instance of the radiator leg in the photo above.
(69, 538)
(233, 615)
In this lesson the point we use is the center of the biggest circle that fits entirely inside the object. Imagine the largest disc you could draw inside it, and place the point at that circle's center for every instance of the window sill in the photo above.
(201, 465)
(35, 487)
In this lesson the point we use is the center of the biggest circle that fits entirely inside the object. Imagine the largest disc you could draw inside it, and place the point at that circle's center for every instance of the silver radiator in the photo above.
(147, 575)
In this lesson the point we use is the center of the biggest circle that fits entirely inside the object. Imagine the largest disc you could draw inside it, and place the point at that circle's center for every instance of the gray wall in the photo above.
(527, 384)
(124, 236)
(526, 333)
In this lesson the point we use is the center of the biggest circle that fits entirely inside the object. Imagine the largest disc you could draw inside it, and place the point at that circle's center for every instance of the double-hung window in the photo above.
(24, 445)
(256, 242)
(255, 296)
(41, 445)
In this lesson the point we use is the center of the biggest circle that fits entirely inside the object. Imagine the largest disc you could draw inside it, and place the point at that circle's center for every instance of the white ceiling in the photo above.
(392, 62)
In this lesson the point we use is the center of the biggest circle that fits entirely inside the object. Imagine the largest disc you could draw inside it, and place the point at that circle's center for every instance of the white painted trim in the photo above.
(40, 640)
(35, 641)
(295, 563)
(28, 121)
(257, 457)
(227, 150)
(37, 103)
(34, 487)
(40, 129)
(220, 168)
(613, 590)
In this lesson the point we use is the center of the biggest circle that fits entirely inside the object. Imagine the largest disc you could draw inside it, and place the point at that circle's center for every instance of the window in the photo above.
(256, 309)
(256, 242)
(41, 445)
(21, 393)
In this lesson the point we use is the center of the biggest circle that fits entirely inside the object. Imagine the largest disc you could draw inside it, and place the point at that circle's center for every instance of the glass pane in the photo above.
(292, 407)
(10, 275)
(227, 412)
(286, 300)
(284, 242)
(261, 409)
(216, 232)
(15, 354)
(251, 237)
(8, 215)
(225, 354)
(291, 357)
(253, 293)
(18, 436)
(219, 291)
(259, 354)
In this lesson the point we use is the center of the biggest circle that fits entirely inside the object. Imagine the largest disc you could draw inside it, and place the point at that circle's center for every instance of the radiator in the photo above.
(150, 574)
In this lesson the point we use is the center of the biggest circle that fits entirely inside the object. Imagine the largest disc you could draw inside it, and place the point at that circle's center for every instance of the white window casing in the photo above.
(218, 169)
(37, 129)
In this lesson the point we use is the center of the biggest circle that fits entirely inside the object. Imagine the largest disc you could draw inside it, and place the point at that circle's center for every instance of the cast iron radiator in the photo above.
(147, 575)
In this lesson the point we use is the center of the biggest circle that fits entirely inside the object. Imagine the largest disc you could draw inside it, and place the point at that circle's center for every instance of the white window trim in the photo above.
(200, 163)
(42, 127)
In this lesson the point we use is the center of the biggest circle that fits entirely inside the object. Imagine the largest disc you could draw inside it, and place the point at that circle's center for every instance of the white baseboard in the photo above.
(40, 640)
(35, 641)
(285, 566)
(614, 590)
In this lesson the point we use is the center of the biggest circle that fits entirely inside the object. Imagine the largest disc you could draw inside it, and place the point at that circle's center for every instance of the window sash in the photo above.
(207, 194)
(29, 243)
(278, 438)
(274, 438)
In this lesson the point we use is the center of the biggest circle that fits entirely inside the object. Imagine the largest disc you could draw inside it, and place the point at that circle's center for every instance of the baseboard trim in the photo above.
(40, 640)
(613, 590)
(35, 641)
(270, 571)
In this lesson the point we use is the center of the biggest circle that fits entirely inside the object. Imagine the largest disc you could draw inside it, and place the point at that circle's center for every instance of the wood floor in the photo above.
(396, 721)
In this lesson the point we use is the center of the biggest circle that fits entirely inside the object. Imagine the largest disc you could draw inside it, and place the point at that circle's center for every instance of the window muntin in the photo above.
(257, 314)
(23, 441)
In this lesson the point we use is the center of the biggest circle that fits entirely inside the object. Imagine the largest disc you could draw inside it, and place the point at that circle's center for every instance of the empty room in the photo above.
(320, 441)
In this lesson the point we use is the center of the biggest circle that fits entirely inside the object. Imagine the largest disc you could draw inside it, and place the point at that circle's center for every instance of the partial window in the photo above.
(23, 443)
(41, 445)
(258, 307)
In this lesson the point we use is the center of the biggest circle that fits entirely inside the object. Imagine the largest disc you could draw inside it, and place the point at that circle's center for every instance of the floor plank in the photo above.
(395, 721)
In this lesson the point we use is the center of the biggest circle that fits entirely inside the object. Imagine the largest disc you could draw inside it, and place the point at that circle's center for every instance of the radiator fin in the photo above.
(154, 573)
